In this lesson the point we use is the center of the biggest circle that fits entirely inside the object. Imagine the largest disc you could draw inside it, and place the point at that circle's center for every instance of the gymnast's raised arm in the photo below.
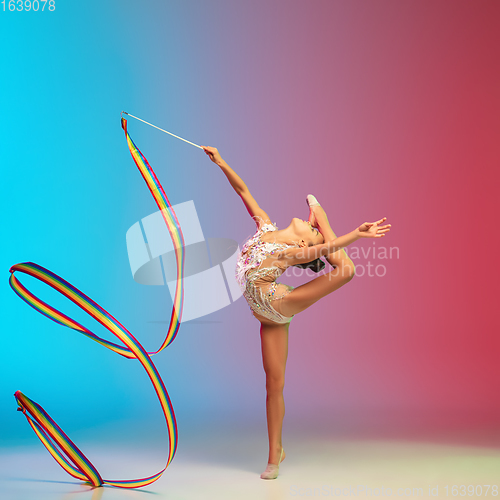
(260, 217)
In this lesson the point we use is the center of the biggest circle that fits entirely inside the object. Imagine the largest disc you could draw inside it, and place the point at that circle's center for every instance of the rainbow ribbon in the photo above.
(59, 445)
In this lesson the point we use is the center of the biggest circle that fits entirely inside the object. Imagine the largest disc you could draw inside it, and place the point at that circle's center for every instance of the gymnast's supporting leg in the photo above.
(274, 340)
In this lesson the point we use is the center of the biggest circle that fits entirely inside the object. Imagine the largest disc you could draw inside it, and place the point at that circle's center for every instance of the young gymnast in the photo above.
(263, 258)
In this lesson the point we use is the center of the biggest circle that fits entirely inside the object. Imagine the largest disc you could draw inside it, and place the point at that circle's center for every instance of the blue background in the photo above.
(70, 192)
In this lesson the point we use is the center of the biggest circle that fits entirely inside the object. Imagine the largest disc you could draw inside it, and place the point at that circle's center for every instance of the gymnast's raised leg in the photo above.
(307, 294)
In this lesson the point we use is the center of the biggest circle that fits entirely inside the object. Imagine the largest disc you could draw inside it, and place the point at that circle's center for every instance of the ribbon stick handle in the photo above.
(161, 129)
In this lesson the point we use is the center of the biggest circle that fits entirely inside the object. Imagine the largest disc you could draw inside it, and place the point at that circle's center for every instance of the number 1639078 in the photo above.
(27, 5)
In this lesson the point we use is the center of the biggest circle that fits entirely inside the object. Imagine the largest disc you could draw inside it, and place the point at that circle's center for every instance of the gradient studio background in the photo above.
(380, 108)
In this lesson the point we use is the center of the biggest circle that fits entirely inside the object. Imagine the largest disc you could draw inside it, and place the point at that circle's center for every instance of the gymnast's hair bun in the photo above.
(315, 265)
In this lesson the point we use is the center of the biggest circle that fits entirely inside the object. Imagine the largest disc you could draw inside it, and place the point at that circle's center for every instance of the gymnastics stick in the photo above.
(162, 130)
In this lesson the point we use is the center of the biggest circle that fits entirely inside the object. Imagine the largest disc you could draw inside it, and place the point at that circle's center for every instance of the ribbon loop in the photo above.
(59, 445)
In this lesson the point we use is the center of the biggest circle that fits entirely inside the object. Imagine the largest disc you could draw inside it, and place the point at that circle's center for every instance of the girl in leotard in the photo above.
(263, 258)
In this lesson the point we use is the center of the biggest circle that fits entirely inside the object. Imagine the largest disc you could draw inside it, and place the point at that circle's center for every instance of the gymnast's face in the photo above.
(306, 232)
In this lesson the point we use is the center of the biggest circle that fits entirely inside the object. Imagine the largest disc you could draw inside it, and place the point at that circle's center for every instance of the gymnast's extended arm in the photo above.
(239, 186)
(307, 254)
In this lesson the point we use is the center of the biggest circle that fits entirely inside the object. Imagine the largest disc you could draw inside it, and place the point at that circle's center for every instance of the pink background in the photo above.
(379, 109)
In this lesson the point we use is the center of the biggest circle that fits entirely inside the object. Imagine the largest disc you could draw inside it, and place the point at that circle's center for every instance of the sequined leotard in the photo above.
(258, 284)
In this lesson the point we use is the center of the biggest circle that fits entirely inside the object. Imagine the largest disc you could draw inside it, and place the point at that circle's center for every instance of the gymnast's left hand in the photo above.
(373, 229)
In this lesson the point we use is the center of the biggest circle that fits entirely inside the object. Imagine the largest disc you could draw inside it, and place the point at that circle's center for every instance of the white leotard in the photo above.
(258, 284)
